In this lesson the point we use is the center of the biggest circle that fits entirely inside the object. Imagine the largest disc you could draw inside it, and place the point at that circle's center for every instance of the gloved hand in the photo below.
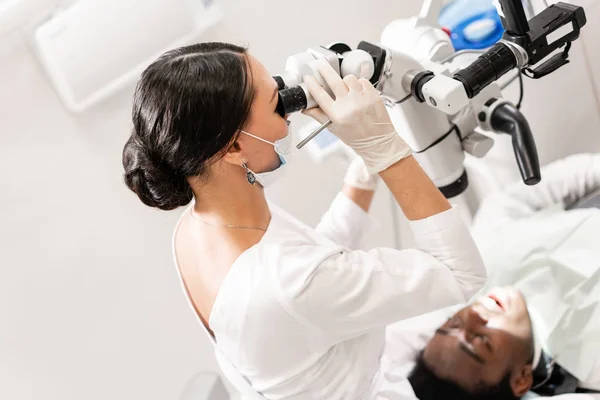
(359, 177)
(359, 117)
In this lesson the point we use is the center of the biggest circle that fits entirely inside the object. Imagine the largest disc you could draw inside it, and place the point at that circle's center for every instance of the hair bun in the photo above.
(155, 185)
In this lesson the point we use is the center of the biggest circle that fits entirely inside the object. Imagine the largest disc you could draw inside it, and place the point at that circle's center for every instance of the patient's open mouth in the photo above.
(498, 301)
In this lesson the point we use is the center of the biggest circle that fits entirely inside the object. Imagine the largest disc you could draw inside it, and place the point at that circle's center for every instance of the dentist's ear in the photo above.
(521, 380)
(235, 155)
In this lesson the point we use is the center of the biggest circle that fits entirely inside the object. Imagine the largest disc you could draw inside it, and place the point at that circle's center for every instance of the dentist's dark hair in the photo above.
(187, 109)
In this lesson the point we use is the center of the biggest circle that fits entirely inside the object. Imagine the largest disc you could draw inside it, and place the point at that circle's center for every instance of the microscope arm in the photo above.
(425, 124)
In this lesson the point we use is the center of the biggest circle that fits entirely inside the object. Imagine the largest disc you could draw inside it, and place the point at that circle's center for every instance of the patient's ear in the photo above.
(521, 380)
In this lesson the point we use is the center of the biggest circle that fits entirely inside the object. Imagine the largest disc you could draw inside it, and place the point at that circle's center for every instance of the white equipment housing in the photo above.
(94, 48)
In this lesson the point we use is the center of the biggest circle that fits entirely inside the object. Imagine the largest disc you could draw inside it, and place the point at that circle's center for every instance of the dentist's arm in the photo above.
(362, 122)
(345, 293)
(361, 197)
(347, 222)
(359, 185)
(416, 194)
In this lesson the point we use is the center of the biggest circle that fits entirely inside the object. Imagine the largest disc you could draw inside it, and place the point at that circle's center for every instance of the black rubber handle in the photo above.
(506, 118)
(488, 68)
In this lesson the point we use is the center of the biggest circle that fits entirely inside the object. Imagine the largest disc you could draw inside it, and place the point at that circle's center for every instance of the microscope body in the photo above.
(442, 127)
(436, 104)
(420, 124)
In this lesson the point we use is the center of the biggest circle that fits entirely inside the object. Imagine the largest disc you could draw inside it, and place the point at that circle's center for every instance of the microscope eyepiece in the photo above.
(291, 100)
(280, 82)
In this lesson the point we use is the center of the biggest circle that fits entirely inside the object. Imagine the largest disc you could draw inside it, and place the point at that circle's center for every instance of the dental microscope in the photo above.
(437, 104)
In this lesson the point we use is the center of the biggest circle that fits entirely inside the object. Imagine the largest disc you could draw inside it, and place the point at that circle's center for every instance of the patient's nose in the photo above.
(475, 317)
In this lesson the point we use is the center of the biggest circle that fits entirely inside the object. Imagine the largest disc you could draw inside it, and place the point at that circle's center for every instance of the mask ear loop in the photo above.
(250, 176)
(256, 137)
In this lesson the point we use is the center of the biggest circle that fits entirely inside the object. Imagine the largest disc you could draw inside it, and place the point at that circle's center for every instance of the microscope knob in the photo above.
(477, 145)
(358, 63)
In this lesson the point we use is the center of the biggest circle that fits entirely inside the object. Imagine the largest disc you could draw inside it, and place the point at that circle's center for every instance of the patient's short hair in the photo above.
(428, 386)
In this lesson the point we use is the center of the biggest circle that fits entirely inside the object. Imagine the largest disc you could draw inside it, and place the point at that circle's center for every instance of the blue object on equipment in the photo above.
(474, 24)
(478, 32)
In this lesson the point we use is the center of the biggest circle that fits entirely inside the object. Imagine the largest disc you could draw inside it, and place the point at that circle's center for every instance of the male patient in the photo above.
(537, 325)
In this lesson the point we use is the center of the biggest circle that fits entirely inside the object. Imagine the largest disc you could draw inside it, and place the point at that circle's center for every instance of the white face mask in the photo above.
(283, 148)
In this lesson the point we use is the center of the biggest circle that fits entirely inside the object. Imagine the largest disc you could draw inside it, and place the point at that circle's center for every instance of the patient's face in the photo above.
(484, 341)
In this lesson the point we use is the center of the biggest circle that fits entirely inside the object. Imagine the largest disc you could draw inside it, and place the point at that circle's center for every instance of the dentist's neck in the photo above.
(227, 198)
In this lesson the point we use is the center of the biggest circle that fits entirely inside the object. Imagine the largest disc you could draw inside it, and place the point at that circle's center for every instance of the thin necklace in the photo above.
(224, 226)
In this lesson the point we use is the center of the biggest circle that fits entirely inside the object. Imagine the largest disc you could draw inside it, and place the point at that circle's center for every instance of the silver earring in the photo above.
(249, 174)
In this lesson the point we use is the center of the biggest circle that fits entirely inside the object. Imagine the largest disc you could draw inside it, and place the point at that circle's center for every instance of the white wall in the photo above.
(90, 307)
(590, 43)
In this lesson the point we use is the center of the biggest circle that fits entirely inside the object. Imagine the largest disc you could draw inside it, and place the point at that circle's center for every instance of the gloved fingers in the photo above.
(333, 79)
(321, 96)
(352, 82)
(367, 87)
(373, 97)
(365, 71)
(317, 114)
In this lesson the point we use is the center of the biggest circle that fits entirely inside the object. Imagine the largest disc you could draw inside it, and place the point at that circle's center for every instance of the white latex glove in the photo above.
(359, 177)
(359, 117)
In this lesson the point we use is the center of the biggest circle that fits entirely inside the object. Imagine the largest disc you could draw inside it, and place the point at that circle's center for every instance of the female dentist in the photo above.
(298, 312)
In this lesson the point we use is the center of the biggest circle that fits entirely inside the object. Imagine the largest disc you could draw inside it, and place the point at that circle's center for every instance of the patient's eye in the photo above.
(454, 322)
(485, 340)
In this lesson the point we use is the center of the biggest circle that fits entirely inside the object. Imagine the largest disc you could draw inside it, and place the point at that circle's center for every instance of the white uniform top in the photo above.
(302, 316)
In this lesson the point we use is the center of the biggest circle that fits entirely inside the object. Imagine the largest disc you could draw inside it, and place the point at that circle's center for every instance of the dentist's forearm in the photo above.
(413, 190)
(362, 198)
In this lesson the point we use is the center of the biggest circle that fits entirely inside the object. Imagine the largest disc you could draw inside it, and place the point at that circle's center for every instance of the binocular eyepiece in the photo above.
(292, 100)
(367, 62)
